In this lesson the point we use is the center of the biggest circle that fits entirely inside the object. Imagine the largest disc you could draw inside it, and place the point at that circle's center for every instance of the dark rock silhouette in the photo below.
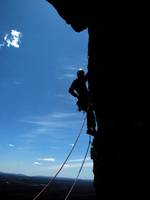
(118, 81)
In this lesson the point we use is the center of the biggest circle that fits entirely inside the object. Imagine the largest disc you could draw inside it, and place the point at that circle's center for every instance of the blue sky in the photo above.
(39, 56)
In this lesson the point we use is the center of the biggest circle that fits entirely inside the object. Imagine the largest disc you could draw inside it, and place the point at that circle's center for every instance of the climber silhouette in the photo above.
(79, 90)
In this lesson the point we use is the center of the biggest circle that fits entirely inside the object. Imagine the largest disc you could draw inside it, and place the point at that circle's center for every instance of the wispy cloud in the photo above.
(71, 145)
(71, 68)
(42, 160)
(63, 115)
(11, 145)
(52, 124)
(54, 120)
(77, 165)
(47, 159)
(12, 39)
(72, 165)
(79, 160)
(37, 163)
(67, 75)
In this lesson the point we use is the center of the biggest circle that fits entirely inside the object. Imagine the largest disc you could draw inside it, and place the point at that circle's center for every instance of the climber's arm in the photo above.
(72, 91)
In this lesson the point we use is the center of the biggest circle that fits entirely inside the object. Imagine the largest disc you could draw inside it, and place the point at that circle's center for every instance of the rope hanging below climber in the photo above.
(51, 180)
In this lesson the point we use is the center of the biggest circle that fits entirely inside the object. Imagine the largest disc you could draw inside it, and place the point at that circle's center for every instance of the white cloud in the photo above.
(11, 145)
(79, 160)
(12, 39)
(37, 163)
(71, 145)
(73, 165)
(63, 115)
(15, 33)
(66, 166)
(77, 165)
(48, 159)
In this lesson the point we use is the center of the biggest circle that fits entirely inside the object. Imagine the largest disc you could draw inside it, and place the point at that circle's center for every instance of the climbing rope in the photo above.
(67, 196)
(52, 179)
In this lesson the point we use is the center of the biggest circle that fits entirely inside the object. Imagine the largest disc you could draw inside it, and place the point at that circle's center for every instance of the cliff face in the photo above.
(117, 60)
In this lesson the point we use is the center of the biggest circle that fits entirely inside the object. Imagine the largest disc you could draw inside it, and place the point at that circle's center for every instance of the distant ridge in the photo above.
(19, 186)
(40, 176)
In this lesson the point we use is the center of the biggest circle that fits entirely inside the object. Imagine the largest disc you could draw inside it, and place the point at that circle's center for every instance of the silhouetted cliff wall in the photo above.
(118, 82)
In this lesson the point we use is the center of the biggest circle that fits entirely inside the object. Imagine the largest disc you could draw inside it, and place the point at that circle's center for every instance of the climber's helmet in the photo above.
(80, 73)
